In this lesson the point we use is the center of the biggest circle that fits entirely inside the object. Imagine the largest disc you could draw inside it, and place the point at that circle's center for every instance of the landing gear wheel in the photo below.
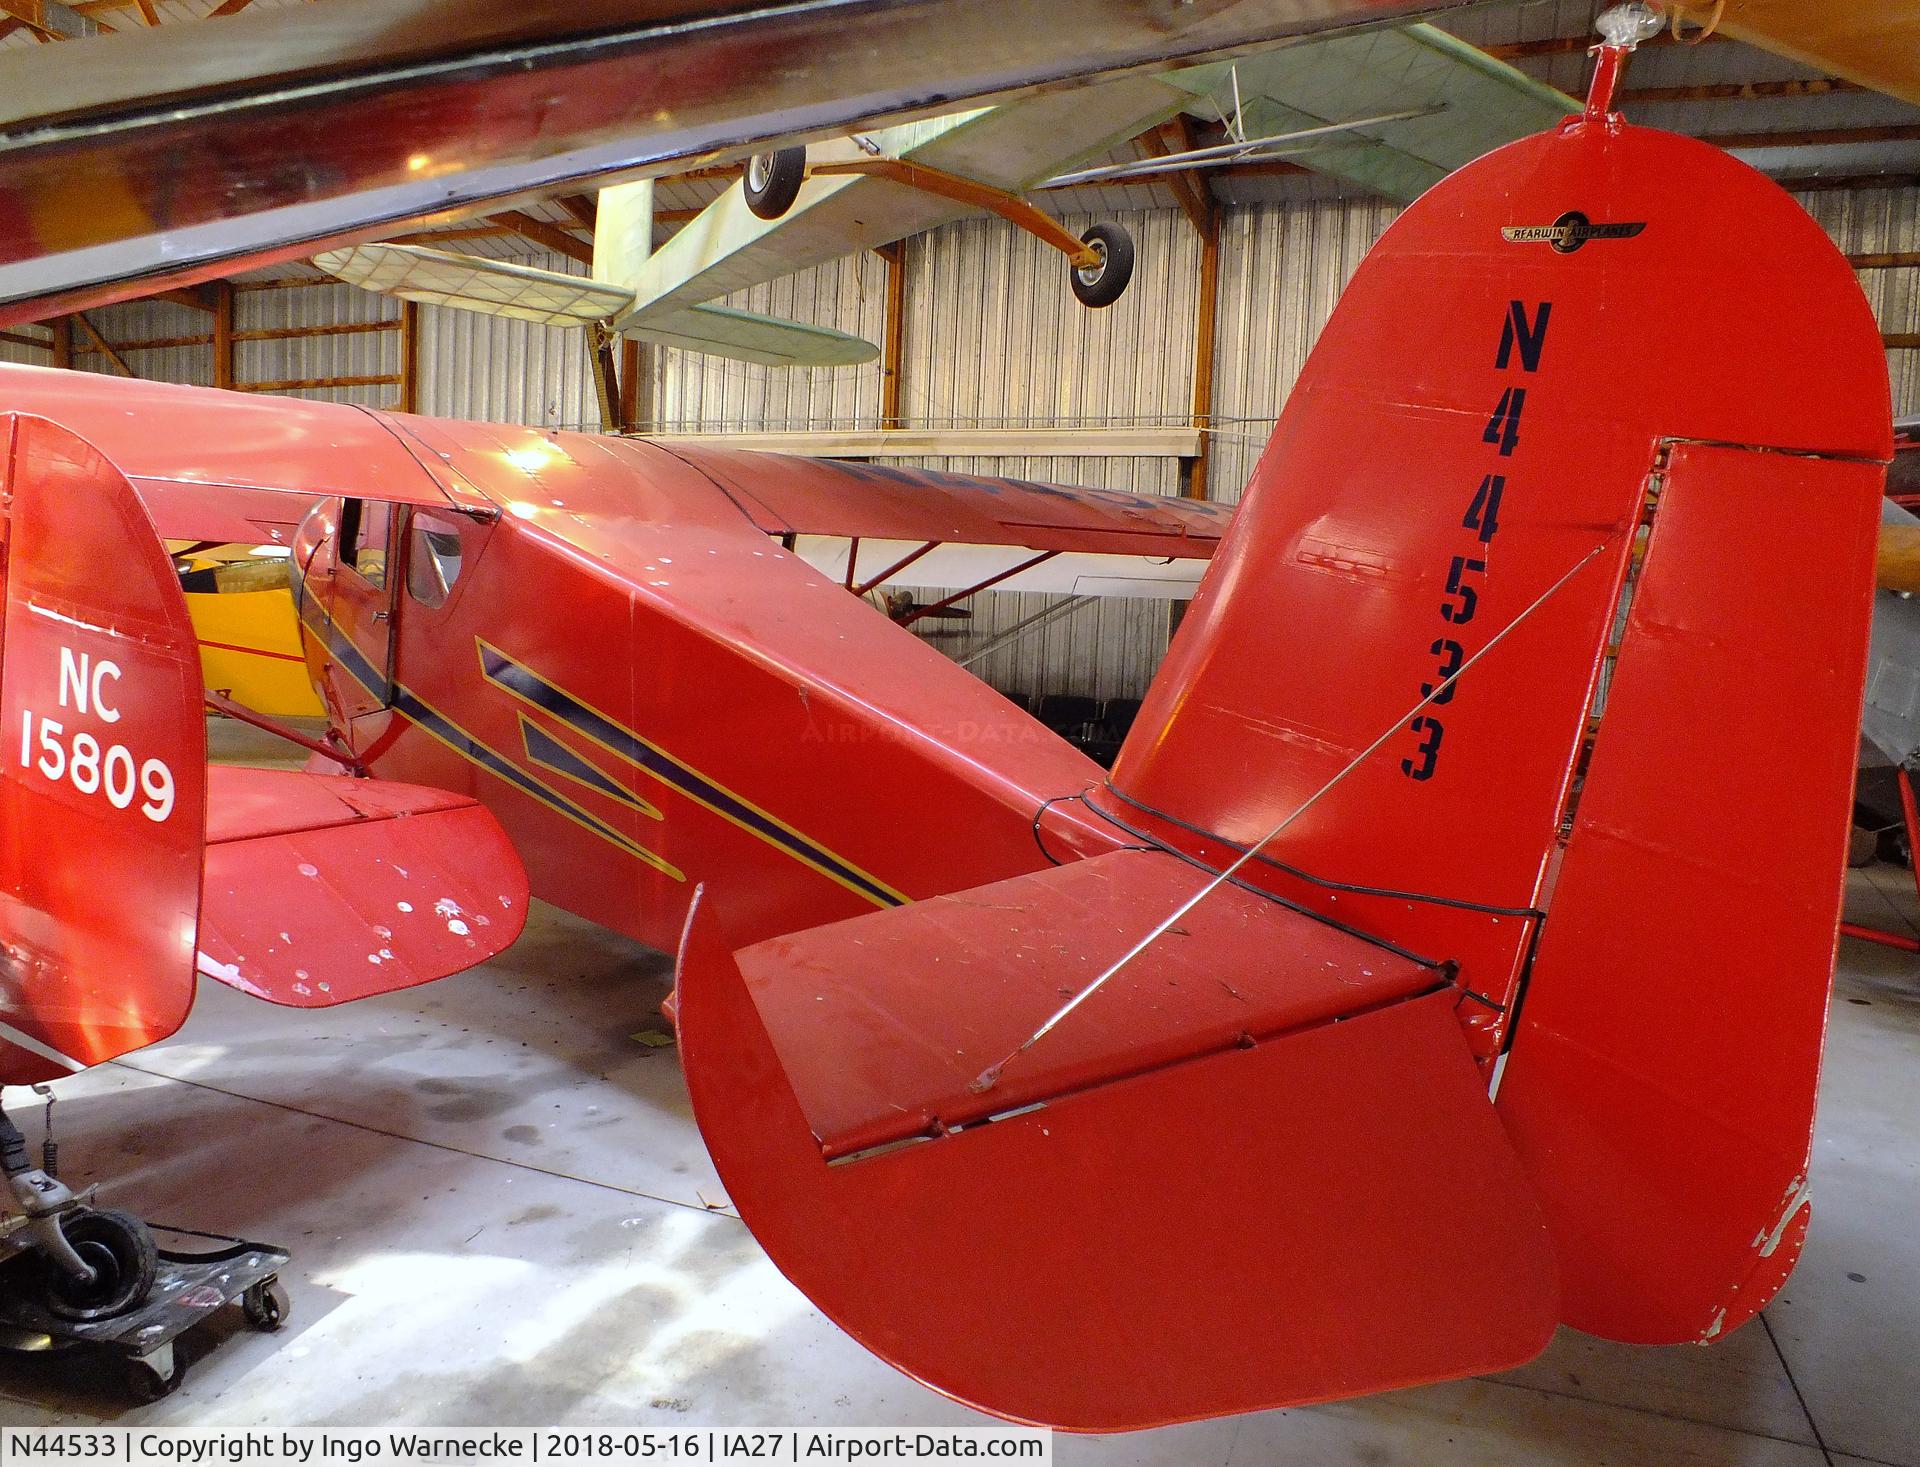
(773, 181)
(153, 1377)
(1103, 284)
(119, 1249)
(266, 1304)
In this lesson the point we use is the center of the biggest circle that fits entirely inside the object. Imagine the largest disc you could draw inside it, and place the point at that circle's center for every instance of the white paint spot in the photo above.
(307, 868)
(225, 972)
(404, 906)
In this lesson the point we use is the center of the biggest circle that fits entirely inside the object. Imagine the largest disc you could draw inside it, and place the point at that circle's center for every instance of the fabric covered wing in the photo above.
(783, 494)
(320, 889)
(496, 287)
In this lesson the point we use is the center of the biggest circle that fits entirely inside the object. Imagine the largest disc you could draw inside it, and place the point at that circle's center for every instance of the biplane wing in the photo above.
(127, 863)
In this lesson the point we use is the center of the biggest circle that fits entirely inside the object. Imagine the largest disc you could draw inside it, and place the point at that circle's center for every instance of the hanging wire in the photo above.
(990, 1076)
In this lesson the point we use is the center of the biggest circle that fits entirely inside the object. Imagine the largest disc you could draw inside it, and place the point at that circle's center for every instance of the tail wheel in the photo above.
(773, 181)
(119, 1249)
(1103, 283)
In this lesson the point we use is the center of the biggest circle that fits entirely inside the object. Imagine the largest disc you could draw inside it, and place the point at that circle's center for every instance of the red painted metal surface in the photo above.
(102, 756)
(1661, 1082)
(783, 494)
(1362, 548)
(1294, 1220)
(316, 890)
(322, 889)
(932, 994)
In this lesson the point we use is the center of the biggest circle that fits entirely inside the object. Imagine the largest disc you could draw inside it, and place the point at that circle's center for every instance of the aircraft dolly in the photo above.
(75, 1277)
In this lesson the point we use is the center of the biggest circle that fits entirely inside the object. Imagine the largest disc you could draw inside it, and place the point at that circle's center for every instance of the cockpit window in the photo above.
(433, 557)
(365, 527)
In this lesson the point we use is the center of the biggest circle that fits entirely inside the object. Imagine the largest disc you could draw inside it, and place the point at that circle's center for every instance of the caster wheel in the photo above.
(119, 1249)
(266, 1304)
(773, 181)
(1103, 284)
(153, 1379)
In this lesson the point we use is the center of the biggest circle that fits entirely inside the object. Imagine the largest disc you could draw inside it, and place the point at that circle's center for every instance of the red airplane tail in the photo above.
(126, 864)
(1524, 692)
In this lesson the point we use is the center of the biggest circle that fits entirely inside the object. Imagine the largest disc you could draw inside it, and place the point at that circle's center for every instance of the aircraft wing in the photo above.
(496, 287)
(235, 468)
(1875, 45)
(1011, 147)
(869, 525)
(1471, 104)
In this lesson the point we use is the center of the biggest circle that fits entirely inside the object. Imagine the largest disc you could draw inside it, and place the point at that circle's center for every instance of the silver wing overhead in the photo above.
(1469, 104)
(174, 155)
(497, 287)
(553, 298)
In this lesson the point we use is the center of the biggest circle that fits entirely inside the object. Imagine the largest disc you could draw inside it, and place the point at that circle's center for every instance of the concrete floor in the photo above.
(499, 1208)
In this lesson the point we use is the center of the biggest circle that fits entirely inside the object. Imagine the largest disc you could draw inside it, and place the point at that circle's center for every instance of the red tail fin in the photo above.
(318, 890)
(1531, 365)
(102, 763)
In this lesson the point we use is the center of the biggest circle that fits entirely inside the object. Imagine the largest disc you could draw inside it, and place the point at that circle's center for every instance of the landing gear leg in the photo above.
(38, 1201)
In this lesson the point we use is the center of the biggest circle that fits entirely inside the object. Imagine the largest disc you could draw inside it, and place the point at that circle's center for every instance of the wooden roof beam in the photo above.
(103, 346)
(1819, 86)
(583, 207)
(547, 236)
(52, 20)
(1831, 137)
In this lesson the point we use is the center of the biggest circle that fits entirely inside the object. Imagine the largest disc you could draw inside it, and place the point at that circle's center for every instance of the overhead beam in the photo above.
(102, 345)
(547, 236)
(583, 208)
(1894, 260)
(52, 19)
(1575, 45)
(1819, 86)
(1830, 137)
(1843, 182)
(1190, 188)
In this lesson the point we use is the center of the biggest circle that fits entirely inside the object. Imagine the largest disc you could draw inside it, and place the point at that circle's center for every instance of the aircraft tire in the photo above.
(773, 180)
(1106, 282)
(120, 1250)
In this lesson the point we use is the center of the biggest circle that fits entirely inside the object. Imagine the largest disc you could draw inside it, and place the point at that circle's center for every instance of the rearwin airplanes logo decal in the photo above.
(1569, 232)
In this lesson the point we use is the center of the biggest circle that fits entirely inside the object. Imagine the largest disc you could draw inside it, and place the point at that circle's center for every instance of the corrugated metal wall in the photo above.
(992, 337)
(1881, 221)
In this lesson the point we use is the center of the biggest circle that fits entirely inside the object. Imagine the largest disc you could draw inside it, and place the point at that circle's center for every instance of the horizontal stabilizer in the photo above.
(321, 889)
(722, 331)
(495, 287)
(1339, 1188)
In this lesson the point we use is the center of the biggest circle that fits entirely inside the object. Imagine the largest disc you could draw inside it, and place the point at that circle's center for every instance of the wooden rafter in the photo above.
(102, 345)
(583, 208)
(1818, 86)
(1830, 137)
(547, 236)
(1575, 46)
(1192, 189)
